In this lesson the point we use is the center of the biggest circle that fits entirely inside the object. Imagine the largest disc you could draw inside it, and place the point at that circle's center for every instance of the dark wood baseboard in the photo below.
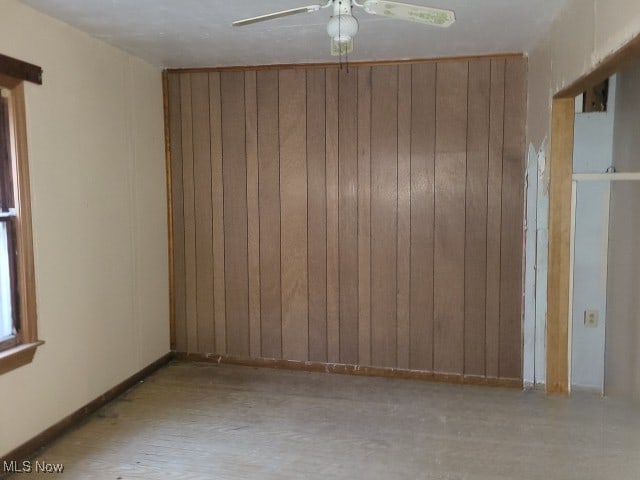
(31, 447)
(350, 370)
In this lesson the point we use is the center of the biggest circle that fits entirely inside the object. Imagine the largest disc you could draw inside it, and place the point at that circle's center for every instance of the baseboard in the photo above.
(587, 390)
(344, 369)
(31, 447)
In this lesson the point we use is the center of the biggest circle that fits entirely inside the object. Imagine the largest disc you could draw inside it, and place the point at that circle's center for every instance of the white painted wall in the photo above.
(593, 153)
(531, 222)
(583, 34)
(623, 329)
(96, 154)
(536, 256)
(589, 284)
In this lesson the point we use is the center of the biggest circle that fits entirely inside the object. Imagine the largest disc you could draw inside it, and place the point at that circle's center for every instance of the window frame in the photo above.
(21, 349)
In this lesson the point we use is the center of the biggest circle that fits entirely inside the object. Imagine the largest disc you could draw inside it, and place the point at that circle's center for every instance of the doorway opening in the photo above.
(593, 329)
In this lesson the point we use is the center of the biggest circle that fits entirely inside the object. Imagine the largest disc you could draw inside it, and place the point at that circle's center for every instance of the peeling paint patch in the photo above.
(542, 255)
(535, 268)
(531, 193)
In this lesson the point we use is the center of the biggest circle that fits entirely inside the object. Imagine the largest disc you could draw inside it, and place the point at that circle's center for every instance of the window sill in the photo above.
(18, 356)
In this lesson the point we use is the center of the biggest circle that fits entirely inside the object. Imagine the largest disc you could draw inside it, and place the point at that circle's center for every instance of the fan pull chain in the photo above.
(346, 55)
(340, 36)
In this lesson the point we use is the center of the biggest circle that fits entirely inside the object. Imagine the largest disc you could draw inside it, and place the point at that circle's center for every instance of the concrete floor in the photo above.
(201, 421)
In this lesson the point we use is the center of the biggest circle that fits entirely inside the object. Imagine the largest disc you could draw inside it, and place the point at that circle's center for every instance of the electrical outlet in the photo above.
(591, 318)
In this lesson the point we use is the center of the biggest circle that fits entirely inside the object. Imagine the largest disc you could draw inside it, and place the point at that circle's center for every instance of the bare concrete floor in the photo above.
(200, 421)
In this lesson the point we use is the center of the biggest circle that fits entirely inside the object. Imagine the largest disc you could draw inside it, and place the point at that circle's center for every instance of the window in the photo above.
(18, 334)
(9, 318)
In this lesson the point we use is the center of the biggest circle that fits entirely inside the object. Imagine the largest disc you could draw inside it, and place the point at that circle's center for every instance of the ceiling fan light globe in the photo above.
(342, 27)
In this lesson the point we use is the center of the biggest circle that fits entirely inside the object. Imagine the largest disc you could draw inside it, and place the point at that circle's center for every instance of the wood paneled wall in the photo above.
(367, 216)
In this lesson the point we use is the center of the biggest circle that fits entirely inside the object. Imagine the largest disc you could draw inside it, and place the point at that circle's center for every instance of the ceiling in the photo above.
(198, 33)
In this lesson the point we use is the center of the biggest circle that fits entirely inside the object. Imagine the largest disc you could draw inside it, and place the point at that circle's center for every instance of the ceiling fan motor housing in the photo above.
(342, 28)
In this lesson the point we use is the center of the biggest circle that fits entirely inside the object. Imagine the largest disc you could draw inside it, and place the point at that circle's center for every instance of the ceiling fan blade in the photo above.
(271, 16)
(413, 13)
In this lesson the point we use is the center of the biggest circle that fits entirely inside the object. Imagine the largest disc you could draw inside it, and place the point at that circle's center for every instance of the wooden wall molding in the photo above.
(563, 117)
(20, 70)
(30, 448)
(344, 369)
(167, 152)
(364, 63)
(18, 356)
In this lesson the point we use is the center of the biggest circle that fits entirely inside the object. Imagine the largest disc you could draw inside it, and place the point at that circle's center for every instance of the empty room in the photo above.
(361, 239)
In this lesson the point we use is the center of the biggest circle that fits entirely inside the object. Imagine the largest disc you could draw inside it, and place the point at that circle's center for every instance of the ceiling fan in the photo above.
(343, 26)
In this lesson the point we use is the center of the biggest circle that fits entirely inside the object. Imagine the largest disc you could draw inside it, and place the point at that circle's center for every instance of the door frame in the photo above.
(560, 196)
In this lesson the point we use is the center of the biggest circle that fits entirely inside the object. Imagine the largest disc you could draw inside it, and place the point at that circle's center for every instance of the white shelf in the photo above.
(606, 177)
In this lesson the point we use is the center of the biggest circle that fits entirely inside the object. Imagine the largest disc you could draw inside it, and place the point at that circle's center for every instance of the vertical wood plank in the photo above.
(562, 140)
(235, 212)
(293, 194)
(253, 211)
(203, 212)
(166, 97)
(404, 215)
(269, 198)
(348, 214)
(423, 131)
(450, 173)
(513, 166)
(189, 213)
(494, 217)
(364, 215)
(476, 215)
(384, 214)
(217, 200)
(177, 210)
(333, 286)
(317, 221)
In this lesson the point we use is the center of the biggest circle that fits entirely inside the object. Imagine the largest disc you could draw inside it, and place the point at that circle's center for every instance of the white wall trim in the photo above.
(572, 245)
(607, 177)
